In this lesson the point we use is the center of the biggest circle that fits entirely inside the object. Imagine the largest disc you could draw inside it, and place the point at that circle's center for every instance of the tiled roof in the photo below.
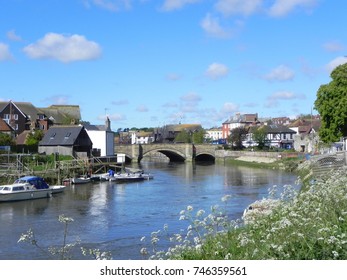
(4, 127)
(63, 135)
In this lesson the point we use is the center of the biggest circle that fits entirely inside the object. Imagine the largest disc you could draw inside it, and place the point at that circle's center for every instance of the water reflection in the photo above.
(114, 217)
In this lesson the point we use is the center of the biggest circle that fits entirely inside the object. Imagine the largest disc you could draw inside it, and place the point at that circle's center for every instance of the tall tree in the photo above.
(331, 103)
(260, 136)
(237, 135)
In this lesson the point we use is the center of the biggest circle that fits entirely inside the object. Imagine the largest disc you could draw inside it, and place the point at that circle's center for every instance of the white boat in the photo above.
(27, 188)
(80, 180)
(58, 188)
(126, 177)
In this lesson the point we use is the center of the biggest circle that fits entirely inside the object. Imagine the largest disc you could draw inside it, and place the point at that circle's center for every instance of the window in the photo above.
(67, 135)
(53, 135)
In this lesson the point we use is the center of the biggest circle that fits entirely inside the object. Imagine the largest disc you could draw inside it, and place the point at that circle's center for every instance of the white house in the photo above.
(141, 137)
(236, 121)
(214, 134)
(102, 138)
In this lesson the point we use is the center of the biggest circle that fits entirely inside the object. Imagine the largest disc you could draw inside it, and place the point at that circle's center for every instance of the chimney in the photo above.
(108, 124)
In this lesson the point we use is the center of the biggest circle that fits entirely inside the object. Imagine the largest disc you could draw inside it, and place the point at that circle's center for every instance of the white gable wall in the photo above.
(103, 140)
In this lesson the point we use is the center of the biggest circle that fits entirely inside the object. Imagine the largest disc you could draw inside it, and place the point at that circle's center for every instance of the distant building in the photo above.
(237, 121)
(280, 136)
(169, 132)
(142, 137)
(214, 134)
(102, 138)
(67, 140)
(24, 117)
(307, 138)
(280, 121)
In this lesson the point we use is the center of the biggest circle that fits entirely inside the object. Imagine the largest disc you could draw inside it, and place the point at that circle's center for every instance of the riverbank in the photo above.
(309, 225)
(289, 164)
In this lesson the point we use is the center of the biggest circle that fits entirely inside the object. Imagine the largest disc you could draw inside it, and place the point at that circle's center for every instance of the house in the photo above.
(102, 138)
(169, 132)
(279, 136)
(18, 115)
(142, 137)
(61, 114)
(5, 128)
(307, 138)
(67, 140)
(214, 135)
(280, 121)
(24, 117)
(237, 121)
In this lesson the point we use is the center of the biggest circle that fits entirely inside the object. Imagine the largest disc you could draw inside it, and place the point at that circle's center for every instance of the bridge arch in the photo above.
(172, 154)
(209, 157)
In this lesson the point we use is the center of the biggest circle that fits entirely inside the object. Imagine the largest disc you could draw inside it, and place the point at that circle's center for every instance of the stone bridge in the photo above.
(322, 164)
(175, 152)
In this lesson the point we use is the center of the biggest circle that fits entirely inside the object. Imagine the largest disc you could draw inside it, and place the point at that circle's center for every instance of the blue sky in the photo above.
(150, 63)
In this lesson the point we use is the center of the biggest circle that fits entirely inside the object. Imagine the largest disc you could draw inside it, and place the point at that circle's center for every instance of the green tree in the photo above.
(238, 135)
(260, 136)
(198, 136)
(184, 136)
(34, 138)
(331, 104)
(6, 140)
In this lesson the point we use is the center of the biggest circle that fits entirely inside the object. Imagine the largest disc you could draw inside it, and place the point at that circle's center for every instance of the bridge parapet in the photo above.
(186, 152)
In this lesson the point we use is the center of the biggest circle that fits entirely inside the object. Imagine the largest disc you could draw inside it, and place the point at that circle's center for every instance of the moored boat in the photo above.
(80, 180)
(58, 188)
(126, 177)
(27, 188)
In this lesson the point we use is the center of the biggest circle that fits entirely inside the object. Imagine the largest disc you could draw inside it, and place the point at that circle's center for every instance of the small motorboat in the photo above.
(80, 180)
(126, 177)
(26, 188)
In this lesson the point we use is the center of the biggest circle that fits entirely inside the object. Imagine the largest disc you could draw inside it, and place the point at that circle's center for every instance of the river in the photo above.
(114, 217)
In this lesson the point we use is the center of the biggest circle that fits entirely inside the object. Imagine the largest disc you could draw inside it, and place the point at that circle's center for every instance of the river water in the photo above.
(114, 217)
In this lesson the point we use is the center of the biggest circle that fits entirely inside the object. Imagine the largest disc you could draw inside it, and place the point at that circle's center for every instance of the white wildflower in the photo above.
(200, 213)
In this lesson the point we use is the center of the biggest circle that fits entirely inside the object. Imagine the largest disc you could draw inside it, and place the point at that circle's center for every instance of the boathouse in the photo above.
(66, 140)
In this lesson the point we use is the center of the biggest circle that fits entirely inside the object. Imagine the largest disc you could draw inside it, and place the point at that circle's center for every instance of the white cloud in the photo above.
(191, 97)
(111, 5)
(173, 77)
(238, 7)
(63, 48)
(284, 7)
(120, 102)
(336, 62)
(13, 36)
(142, 108)
(113, 117)
(170, 105)
(170, 5)
(229, 108)
(273, 100)
(216, 71)
(333, 46)
(283, 95)
(212, 27)
(5, 53)
(280, 73)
